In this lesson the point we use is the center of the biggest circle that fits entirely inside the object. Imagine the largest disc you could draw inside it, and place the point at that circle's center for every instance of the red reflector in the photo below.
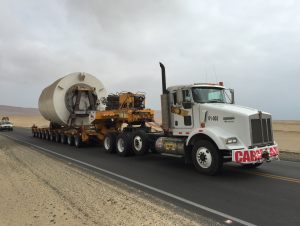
(187, 133)
(221, 83)
(180, 132)
(202, 125)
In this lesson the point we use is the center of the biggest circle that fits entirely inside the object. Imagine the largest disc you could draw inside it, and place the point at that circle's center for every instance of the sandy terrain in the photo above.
(287, 135)
(28, 121)
(39, 190)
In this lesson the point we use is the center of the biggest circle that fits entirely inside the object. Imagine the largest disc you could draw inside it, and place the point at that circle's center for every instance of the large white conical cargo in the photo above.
(57, 101)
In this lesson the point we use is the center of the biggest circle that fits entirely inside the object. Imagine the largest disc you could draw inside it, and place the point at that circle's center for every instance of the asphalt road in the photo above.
(269, 195)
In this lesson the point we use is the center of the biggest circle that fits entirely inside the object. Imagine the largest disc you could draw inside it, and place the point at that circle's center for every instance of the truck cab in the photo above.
(213, 129)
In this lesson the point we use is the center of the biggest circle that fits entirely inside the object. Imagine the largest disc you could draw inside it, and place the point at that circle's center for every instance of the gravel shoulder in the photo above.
(40, 190)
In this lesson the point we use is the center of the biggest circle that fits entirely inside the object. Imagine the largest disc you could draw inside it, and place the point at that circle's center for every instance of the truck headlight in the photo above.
(231, 140)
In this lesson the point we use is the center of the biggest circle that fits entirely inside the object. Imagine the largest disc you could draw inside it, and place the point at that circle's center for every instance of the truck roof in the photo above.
(208, 85)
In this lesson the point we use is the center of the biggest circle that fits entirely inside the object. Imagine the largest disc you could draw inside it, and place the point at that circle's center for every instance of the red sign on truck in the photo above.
(254, 155)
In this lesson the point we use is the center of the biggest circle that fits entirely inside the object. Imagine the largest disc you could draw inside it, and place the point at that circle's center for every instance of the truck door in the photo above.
(181, 110)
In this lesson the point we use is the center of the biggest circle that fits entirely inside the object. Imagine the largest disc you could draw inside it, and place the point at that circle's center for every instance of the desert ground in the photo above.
(39, 190)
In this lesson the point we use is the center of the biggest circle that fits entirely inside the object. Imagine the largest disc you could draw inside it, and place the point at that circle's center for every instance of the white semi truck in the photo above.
(203, 123)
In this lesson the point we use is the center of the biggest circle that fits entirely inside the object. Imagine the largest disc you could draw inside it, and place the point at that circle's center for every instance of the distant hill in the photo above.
(20, 111)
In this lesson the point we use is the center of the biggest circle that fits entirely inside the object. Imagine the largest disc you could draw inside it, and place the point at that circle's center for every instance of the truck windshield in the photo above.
(208, 95)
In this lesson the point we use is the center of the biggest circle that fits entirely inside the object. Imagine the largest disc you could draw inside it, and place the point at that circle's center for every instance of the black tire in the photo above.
(57, 138)
(77, 141)
(140, 142)
(123, 144)
(63, 139)
(43, 136)
(109, 142)
(206, 157)
(47, 136)
(33, 134)
(70, 140)
(251, 166)
(51, 137)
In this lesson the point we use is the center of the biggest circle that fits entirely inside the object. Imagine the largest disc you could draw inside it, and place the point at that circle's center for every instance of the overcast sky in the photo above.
(253, 46)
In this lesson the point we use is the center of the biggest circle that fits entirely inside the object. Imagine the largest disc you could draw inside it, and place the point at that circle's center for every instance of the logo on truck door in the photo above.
(213, 118)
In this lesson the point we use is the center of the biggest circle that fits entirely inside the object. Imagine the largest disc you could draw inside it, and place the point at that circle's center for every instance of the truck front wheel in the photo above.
(206, 158)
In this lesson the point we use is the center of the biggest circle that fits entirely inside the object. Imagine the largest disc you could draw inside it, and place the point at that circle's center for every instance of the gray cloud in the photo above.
(252, 46)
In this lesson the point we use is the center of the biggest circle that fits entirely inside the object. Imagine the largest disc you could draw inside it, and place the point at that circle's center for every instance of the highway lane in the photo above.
(269, 195)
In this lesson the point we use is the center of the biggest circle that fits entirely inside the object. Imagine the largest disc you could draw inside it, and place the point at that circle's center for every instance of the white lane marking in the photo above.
(216, 212)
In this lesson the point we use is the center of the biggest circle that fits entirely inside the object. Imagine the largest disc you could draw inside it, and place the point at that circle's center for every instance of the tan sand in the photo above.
(287, 135)
(37, 189)
(28, 121)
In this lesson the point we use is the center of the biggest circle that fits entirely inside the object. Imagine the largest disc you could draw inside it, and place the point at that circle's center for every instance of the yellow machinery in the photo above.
(123, 111)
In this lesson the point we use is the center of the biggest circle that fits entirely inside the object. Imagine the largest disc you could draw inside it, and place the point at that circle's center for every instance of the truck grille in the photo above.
(261, 131)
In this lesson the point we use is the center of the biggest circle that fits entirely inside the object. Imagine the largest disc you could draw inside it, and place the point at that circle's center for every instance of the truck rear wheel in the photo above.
(109, 143)
(77, 141)
(70, 140)
(123, 144)
(140, 142)
(206, 158)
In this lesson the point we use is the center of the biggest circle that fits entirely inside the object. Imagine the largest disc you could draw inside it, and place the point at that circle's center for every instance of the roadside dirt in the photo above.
(37, 189)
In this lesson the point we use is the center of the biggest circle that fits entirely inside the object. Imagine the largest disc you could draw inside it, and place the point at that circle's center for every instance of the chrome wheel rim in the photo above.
(204, 157)
(137, 143)
(107, 142)
(120, 145)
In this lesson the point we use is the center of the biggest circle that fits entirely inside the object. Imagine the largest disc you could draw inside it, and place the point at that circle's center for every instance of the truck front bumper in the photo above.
(255, 155)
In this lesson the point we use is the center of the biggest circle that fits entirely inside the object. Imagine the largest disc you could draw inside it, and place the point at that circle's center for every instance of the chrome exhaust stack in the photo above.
(164, 98)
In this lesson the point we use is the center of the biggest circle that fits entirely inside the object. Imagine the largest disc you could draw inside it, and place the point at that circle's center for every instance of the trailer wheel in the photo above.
(140, 142)
(52, 137)
(57, 138)
(63, 139)
(33, 134)
(206, 158)
(70, 140)
(123, 144)
(43, 135)
(77, 141)
(47, 136)
(109, 143)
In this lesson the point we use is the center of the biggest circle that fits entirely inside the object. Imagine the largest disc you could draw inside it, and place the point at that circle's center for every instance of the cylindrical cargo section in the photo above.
(165, 113)
(69, 100)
